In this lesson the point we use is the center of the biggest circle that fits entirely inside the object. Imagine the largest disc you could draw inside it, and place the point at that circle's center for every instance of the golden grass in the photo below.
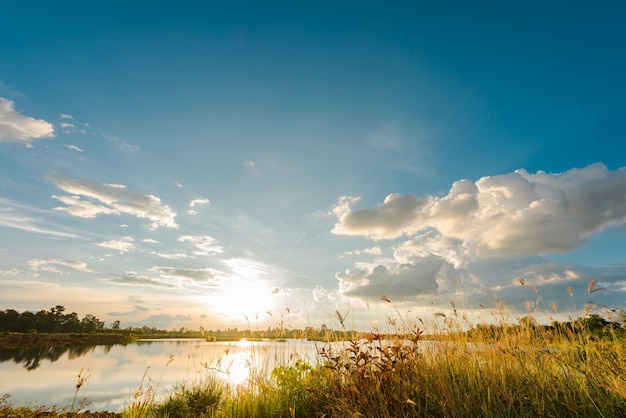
(522, 369)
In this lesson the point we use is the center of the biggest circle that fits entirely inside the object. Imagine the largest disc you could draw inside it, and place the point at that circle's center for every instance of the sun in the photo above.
(243, 300)
(244, 292)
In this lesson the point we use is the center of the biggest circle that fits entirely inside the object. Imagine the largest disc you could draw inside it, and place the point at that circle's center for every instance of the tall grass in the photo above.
(491, 371)
(513, 368)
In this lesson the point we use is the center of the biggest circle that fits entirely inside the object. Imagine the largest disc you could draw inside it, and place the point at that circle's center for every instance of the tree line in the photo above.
(593, 326)
(53, 320)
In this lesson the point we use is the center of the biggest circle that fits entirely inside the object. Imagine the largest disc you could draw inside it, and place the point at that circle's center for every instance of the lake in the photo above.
(48, 376)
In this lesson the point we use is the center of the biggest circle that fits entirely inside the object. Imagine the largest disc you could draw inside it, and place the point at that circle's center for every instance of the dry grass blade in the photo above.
(592, 287)
(341, 318)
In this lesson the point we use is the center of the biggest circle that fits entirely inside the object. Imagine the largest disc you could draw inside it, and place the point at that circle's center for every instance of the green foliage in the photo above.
(51, 321)
(194, 400)
(566, 369)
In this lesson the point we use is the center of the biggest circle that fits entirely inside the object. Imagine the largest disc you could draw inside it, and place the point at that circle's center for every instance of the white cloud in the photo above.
(373, 250)
(512, 214)
(73, 148)
(83, 208)
(123, 245)
(481, 236)
(402, 282)
(389, 220)
(199, 202)
(12, 272)
(174, 256)
(9, 218)
(15, 127)
(204, 244)
(195, 203)
(111, 199)
(48, 264)
(321, 295)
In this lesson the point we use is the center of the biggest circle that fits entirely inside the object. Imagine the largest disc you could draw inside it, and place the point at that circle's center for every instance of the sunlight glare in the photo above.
(244, 300)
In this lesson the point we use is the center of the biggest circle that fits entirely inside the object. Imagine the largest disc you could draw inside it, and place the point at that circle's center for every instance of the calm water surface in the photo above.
(47, 376)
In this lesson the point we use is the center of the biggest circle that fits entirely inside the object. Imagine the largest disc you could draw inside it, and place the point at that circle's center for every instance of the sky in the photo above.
(254, 164)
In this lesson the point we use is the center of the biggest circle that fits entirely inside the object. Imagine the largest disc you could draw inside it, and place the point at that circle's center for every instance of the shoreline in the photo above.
(22, 340)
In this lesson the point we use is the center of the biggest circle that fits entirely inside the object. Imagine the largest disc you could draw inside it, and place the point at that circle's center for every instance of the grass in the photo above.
(498, 371)
(506, 370)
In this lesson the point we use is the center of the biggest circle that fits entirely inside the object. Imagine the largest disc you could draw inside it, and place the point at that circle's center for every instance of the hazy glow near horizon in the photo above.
(244, 165)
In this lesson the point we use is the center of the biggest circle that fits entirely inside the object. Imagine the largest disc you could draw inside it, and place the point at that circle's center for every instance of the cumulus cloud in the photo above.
(321, 295)
(204, 244)
(49, 264)
(482, 235)
(195, 203)
(89, 199)
(398, 283)
(198, 202)
(389, 220)
(373, 251)
(15, 127)
(123, 245)
(512, 214)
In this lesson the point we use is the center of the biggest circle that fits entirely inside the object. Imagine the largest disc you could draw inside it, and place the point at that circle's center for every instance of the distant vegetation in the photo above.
(55, 321)
(51, 321)
(566, 369)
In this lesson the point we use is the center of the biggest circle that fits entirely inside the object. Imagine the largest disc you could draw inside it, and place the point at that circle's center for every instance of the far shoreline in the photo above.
(25, 340)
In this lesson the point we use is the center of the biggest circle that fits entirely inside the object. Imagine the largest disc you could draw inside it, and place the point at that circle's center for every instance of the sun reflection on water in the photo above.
(239, 368)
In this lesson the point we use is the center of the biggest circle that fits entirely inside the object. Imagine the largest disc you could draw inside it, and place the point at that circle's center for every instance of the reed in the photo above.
(511, 368)
(501, 370)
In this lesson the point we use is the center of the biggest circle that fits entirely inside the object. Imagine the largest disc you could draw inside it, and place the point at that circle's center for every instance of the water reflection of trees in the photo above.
(32, 356)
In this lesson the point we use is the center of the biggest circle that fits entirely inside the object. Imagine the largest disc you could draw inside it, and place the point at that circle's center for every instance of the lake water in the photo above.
(48, 376)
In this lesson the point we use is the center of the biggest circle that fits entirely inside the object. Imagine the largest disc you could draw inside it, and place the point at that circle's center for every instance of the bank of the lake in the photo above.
(583, 378)
(518, 371)
(28, 340)
(47, 375)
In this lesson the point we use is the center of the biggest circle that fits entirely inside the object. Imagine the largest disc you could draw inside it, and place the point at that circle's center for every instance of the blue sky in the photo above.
(196, 163)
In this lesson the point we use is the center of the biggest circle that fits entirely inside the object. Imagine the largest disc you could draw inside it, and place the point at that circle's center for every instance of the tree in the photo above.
(91, 324)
